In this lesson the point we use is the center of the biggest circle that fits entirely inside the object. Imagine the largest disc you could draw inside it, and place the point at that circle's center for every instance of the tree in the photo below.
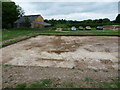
(100, 20)
(95, 21)
(118, 19)
(10, 13)
(106, 20)
(89, 21)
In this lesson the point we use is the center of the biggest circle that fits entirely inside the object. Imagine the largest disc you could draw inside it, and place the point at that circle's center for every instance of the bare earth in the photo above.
(68, 58)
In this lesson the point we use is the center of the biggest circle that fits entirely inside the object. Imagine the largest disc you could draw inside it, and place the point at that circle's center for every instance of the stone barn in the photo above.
(33, 21)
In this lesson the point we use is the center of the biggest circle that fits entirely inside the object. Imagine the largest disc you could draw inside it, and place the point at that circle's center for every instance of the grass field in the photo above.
(47, 83)
(9, 34)
(21, 34)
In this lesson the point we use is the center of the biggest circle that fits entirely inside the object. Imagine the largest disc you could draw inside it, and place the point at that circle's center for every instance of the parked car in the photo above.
(87, 28)
(80, 28)
(99, 28)
(73, 28)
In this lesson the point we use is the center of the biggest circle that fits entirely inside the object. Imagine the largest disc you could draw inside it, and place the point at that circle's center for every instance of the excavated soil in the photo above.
(64, 57)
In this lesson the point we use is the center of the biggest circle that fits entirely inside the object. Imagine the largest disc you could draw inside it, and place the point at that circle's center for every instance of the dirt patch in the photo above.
(58, 29)
(106, 61)
(57, 51)
(50, 59)
(13, 75)
(62, 57)
(112, 27)
(48, 50)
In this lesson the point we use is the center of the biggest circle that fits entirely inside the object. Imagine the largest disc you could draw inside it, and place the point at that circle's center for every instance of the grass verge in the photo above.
(88, 83)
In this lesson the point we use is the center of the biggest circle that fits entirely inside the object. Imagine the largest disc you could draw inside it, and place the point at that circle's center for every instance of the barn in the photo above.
(33, 21)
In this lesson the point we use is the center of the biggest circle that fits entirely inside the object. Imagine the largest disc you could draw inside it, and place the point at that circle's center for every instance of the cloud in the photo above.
(71, 10)
(80, 16)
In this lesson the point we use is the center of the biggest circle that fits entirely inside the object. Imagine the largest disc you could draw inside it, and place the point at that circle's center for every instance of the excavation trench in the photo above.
(96, 52)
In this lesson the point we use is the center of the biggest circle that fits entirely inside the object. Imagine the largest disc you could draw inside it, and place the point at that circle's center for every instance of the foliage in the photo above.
(118, 19)
(10, 13)
(89, 21)
(62, 23)
(61, 26)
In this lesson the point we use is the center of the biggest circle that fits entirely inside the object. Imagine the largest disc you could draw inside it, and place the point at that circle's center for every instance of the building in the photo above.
(33, 21)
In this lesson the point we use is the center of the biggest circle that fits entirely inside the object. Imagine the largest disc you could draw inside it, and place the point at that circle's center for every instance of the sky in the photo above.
(71, 10)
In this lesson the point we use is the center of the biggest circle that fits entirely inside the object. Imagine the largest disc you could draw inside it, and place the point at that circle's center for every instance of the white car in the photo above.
(87, 28)
(80, 27)
(73, 28)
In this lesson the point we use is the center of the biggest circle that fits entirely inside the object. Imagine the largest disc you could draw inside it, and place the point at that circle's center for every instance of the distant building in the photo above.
(36, 21)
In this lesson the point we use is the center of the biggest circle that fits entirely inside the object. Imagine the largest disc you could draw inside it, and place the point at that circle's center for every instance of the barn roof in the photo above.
(30, 17)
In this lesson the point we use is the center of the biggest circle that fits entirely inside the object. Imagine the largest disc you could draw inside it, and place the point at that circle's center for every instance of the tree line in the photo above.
(89, 21)
(93, 23)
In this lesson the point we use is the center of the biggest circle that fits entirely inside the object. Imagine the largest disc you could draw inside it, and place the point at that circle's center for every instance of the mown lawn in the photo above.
(13, 33)
(21, 34)
(9, 34)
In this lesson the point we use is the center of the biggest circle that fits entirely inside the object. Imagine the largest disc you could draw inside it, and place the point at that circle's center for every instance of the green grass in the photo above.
(44, 83)
(23, 85)
(115, 84)
(9, 34)
(88, 79)
(27, 33)
(37, 85)
(47, 83)
(105, 71)
(96, 70)
(68, 85)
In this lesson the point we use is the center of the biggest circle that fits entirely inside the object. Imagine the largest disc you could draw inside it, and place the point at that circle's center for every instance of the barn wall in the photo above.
(39, 19)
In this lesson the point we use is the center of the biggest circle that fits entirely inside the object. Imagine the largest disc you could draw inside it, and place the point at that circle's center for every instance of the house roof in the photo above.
(44, 23)
(30, 17)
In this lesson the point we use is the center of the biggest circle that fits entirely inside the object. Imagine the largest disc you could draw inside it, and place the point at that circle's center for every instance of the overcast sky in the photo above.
(71, 10)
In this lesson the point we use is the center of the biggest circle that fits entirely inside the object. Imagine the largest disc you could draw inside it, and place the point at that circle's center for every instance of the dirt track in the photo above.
(62, 54)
